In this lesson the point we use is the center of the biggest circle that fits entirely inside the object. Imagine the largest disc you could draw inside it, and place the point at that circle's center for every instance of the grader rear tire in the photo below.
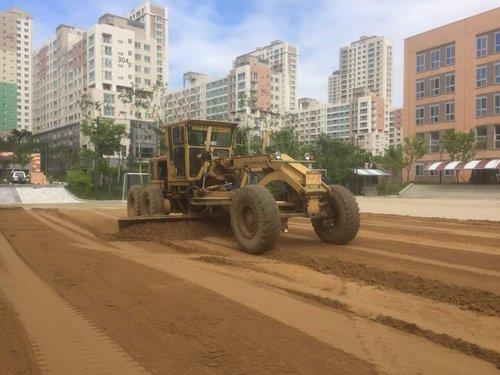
(152, 201)
(342, 223)
(134, 201)
(255, 219)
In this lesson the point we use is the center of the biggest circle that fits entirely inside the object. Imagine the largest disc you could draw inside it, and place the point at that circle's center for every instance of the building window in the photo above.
(434, 113)
(450, 55)
(481, 76)
(109, 98)
(106, 62)
(434, 86)
(481, 106)
(497, 104)
(497, 42)
(107, 75)
(497, 136)
(481, 46)
(109, 111)
(420, 89)
(449, 111)
(241, 76)
(419, 169)
(434, 142)
(435, 59)
(420, 62)
(481, 137)
(107, 50)
(106, 38)
(419, 115)
(496, 69)
(449, 172)
(449, 82)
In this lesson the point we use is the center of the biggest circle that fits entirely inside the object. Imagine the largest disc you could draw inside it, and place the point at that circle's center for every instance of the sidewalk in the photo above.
(449, 208)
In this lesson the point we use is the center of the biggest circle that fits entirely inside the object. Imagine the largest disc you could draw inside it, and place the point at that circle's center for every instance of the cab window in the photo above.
(197, 137)
(178, 136)
(221, 138)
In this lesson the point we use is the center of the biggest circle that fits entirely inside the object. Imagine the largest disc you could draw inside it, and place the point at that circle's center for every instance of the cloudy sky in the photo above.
(206, 35)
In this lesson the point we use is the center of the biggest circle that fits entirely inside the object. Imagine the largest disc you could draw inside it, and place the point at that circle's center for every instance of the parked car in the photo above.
(19, 177)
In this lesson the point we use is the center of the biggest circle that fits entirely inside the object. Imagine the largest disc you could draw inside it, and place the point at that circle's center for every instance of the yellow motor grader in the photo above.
(199, 177)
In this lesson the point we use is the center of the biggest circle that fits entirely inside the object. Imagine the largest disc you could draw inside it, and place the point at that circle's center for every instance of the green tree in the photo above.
(285, 141)
(392, 160)
(460, 146)
(338, 157)
(23, 154)
(414, 148)
(104, 135)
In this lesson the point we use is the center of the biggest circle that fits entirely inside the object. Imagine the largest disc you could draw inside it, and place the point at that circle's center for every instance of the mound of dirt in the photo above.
(468, 298)
(443, 339)
(174, 230)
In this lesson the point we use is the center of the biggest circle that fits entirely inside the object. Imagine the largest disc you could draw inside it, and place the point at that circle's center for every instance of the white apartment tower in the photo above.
(283, 59)
(100, 62)
(16, 39)
(365, 63)
(334, 87)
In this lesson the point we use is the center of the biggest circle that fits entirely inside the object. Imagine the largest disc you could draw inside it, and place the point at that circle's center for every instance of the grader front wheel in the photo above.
(134, 201)
(152, 202)
(255, 219)
(342, 223)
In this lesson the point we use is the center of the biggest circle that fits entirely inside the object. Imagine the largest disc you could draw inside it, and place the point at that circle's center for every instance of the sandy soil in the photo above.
(180, 297)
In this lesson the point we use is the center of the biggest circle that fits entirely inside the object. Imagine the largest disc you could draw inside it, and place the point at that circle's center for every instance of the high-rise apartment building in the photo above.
(334, 87)
(365, 63)
(360, 121)
(16, 38)
(257, 92)
(101, 62)
(395, 133)
(368, 125)
(315, 118)
(452, 81)
(363, 82)
(283, 60)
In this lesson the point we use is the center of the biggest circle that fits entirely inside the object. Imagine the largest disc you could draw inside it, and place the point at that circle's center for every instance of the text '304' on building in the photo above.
(452, 81)
(100, 62)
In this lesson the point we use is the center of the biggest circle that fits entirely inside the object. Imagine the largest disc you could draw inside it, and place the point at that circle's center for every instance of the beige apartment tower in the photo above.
(16, 39)
(452, 81)
(102, 62)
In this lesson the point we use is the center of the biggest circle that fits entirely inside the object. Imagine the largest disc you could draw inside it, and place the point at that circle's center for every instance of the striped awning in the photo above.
(370, 172)
(458, 165)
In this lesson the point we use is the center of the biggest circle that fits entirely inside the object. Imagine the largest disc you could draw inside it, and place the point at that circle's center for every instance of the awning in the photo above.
(370, 172)
(458, 165)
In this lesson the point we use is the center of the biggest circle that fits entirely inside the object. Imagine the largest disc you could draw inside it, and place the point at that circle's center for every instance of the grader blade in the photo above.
(125, 222)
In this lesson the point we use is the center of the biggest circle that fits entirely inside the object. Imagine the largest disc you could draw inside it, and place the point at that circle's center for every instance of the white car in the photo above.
(19, 177)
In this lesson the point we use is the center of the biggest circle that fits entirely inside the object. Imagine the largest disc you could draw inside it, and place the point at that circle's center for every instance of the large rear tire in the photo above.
(255, 219)
(152, 201)
(134, 201)
(342, 223)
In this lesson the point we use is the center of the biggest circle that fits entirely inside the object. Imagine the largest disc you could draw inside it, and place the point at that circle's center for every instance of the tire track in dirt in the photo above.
(384, 355)
(64, 340)
(169, 324)
(474, 299)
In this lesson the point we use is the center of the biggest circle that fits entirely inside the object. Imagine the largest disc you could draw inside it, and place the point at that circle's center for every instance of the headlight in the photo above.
(277, 155)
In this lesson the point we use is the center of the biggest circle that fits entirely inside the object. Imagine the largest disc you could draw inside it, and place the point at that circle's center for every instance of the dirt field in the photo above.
(407, 296)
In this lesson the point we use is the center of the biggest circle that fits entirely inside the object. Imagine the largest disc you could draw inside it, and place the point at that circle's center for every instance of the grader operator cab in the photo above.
(199, 177)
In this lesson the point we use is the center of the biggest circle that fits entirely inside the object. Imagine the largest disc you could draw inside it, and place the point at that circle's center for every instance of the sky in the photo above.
(206, 35)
